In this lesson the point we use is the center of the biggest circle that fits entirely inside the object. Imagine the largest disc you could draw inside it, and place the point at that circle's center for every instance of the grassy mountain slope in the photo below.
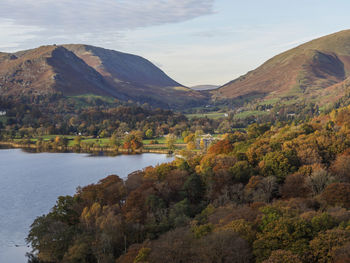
(80, 69)
(307, 71)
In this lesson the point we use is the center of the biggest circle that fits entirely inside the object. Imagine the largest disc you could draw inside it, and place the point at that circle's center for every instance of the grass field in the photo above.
(271, 101)
(101, 141)
(210, 115)
(105, 141)
(49, 137)
(161, 140)
(93, 97)
(82, 101)
(246, 114)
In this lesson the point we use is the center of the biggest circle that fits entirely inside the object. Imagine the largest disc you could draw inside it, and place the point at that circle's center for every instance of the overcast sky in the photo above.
(193, 41)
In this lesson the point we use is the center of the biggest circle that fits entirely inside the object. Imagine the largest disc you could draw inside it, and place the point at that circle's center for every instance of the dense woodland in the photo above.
(28, 119)
(33, 117)
(275, 192)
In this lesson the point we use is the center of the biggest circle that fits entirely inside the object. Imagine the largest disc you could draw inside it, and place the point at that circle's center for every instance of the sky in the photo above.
(194, 41)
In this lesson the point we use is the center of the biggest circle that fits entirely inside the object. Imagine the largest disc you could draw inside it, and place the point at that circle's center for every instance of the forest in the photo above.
(273, 192)
(32, 118)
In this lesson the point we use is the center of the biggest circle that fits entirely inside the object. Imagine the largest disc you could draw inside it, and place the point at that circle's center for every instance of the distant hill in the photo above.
(318, 70)
(204, 87)
(81, 69)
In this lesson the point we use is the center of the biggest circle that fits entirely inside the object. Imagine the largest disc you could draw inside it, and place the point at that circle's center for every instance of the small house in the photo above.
(205, 141)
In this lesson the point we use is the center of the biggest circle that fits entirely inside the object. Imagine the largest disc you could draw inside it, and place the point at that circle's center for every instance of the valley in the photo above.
(259, 167)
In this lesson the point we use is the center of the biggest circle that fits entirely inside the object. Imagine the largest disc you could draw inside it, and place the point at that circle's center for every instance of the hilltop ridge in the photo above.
(82, 69)
(307, 70)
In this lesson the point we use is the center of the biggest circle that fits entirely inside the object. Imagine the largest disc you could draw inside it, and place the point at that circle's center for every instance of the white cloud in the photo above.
(12, 34)
(95, 15)
(28, 23)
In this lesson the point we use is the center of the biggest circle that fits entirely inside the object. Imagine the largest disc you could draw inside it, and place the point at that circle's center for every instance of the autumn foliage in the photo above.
(274, 194)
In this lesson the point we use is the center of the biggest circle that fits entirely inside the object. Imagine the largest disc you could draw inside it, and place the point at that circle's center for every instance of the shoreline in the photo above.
(61, 149)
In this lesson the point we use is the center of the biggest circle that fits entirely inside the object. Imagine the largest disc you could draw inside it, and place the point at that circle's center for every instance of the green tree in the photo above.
(51, 235)
(283, 256)
(242, 171)
(77, 141)
(281, 231)
(115, 141)
(149, 133)
(322, 246)
(194, 189)
(276, 164)
(170, 141)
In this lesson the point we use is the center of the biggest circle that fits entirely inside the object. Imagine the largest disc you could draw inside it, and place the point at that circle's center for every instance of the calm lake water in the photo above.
(31, 182)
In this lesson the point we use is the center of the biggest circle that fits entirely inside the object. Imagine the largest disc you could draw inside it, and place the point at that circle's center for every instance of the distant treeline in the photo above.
(31, 117)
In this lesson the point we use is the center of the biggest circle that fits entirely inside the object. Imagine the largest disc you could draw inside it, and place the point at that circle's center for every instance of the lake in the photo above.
(31, 182)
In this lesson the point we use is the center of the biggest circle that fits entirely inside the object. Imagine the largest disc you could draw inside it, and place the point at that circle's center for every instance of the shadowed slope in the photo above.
(79, 69)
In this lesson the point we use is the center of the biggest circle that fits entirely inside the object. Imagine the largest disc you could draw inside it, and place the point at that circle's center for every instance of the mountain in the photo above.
(204, 87)
(81, 69)
(313, 70)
